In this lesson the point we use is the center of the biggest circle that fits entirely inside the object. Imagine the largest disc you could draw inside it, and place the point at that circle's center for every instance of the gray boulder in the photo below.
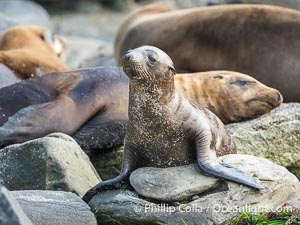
(162, 185)
(79, 49)
(55, 162)
(102, 57)
(11, 212)
(275, 136)
(25, 12)
(211, 207)
(54, 208)
(7, 77)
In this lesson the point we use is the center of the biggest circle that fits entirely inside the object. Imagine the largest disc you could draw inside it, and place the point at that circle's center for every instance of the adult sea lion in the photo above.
(29, 51)
(91, 104)
(258, 40)
(232, 96)
(164, 128)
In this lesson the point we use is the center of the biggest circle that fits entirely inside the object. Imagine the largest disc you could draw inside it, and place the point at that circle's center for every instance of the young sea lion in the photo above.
(258, 40)
(30, 51)
(165, 129)
(30, 109)
(34, 108)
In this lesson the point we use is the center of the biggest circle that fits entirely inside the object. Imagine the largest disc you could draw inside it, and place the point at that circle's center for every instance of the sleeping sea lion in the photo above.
(165, 129)
(258, 40)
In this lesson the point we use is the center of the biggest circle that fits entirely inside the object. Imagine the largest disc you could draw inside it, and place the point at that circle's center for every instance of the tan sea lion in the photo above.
(164, 128)
(30, 51)
(258, 40)
(91, 104)
(232, 96)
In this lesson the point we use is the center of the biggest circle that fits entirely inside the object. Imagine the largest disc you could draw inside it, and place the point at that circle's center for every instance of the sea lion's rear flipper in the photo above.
(102, 132)
(39, 120)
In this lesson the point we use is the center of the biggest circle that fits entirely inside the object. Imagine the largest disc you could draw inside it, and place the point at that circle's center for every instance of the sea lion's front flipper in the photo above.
(39, 120)
(130, 163)
(119, 182)
(209, 164)
(230, 173)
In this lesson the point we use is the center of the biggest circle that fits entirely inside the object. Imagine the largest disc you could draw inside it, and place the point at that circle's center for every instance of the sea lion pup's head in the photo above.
(241, 96)
(149, 65)
(34, 37)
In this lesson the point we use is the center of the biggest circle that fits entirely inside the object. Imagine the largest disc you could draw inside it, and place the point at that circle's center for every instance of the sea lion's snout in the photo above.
(265, 101)
(277, 100)
(128, 56)
(129, 63)
(147, 63)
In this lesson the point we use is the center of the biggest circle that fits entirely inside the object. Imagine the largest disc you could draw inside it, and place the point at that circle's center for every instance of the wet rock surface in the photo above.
(171, 184)
(11, 212)
(54, 208)
(55, 162)
(7, 77)
(275, 136)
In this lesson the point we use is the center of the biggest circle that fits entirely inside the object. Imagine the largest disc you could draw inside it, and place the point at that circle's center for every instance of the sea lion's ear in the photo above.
(172, 69)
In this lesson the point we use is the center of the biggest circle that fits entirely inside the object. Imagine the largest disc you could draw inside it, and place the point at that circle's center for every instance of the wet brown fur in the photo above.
(258, 40)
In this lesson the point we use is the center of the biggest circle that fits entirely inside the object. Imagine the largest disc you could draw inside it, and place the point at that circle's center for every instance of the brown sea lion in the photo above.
(30, 51)
(164, 128)
(258, 40)
(232, 96)
(54, 102)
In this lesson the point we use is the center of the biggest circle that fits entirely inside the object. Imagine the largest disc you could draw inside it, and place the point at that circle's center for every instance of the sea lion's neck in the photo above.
(148, 104)
(148, 93)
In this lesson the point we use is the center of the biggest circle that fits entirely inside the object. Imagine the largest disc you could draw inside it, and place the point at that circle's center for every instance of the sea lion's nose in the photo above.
(279, 97)
(128, 56)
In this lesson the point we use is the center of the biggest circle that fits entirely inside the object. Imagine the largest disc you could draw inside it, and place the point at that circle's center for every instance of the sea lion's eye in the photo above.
(47, 36)
(218, 77)
(242, 82)
(42, 37)
(152, 59)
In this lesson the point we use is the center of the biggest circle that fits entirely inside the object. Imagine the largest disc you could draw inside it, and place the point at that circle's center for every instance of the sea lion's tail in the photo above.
(230, 173)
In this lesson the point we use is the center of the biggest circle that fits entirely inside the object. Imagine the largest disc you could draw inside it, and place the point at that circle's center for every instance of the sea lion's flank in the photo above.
(259, 40)
(231, 96)
(30, 51)
(165, 129)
